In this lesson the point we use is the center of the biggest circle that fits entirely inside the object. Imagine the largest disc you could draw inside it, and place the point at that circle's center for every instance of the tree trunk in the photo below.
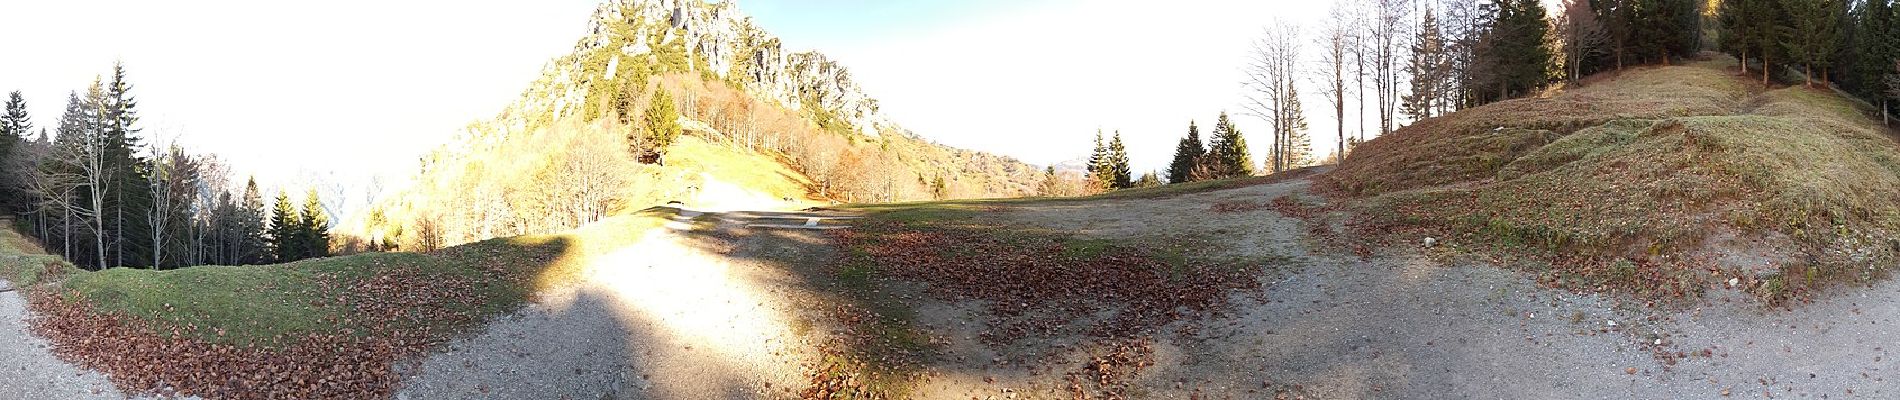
(1807, 75)
(1764, 68)
(1744, 62)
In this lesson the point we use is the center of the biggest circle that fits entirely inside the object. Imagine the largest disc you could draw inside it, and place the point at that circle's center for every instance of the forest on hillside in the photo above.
(1383, 64)
(102, 192)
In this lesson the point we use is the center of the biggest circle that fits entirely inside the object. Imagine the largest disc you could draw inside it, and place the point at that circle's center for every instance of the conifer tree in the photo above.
(1813, 34)
(1429, 68)
(286, 241)
(660, 127)
(1185, 153)
(1098, 169)
(1297, 143)
(1227, 151)
(1119, 176)
(1051, 184)
(1667, 29)
(15, 124)
(315, 225)
(130, 192)
(1518, 54)
(1873, 46)
(1753, 29)
(252, 224)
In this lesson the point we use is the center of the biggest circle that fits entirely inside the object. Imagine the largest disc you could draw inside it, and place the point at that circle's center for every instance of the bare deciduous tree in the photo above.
(1271, 68)
(172, 180)
(1388, 29)
(1335, 45)
(1581, 36)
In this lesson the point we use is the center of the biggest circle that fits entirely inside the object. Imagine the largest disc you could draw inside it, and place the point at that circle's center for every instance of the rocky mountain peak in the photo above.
(722, 40)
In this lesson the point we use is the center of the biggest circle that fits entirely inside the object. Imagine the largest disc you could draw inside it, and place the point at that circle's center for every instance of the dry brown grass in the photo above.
(1637, 181)
(1474, 143)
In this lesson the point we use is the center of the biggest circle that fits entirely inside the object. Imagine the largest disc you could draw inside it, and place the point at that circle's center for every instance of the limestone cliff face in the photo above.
(720, 40)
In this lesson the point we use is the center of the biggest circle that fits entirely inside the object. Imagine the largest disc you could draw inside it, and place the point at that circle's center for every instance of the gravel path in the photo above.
(28, 369)
(671, 317)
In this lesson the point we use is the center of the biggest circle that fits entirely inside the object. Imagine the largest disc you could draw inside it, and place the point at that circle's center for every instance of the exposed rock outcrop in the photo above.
(719, 40)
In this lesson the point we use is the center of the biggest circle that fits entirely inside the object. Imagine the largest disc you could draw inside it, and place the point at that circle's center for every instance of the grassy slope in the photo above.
(1631, 180)
(25, 264)
(259, 304)
(738, 166)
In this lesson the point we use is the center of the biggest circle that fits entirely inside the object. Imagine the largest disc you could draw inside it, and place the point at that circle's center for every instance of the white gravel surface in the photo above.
(28, 369)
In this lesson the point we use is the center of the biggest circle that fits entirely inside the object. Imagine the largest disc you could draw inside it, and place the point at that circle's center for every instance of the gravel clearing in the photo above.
(1399, 324)
(670, 317)
(1403, 325)
(28, 369)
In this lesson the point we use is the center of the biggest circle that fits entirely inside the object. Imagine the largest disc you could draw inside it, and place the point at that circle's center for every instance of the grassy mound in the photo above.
(1472, 144)
(24, 264)
(1685, 176)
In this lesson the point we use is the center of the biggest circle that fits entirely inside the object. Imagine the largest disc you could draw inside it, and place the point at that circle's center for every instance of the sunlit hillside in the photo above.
(779, 132)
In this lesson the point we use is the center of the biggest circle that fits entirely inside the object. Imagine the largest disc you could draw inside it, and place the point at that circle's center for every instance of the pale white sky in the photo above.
(292, 89)
(351, 87)
(1035, 79)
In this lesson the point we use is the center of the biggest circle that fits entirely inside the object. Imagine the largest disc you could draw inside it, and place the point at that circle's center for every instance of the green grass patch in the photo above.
(25, 265)
(443, 291)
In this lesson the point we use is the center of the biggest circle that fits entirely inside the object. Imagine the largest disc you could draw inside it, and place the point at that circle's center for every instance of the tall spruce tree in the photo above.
(15, 125)
(1668, 29)
(316, 227)
(1185, 154)
(1517, 51)
(130, 192)
(660, 127)
(1813, 34)
(1227, 150)
(1873, 47)
(1119, 175)
(252, 224)
(286, 231)
(1098, 169)
(1296, 142)
(1430, 68)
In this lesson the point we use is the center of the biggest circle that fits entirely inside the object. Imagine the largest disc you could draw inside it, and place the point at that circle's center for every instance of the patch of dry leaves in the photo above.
(1037, 286)
(393, 315)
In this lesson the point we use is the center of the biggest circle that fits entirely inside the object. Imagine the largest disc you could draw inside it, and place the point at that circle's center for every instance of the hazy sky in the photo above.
(1035, 79)
(295, 89)
(291, 89)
